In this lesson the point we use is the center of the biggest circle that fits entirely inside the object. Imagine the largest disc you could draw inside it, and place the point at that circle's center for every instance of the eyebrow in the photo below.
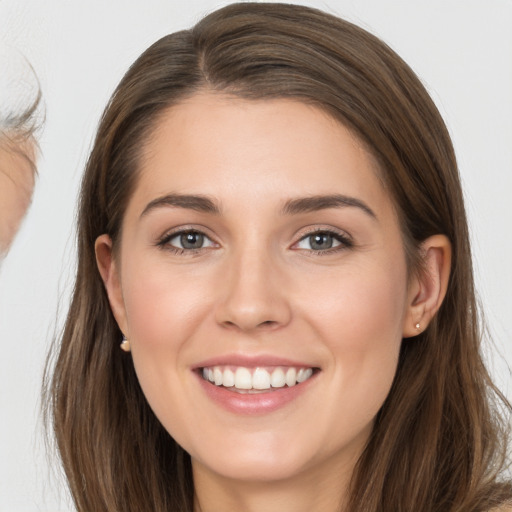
(323, 202)
(191, 202)
(296, 206)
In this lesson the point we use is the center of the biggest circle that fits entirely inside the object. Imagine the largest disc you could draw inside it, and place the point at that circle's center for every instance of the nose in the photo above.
(253, 293)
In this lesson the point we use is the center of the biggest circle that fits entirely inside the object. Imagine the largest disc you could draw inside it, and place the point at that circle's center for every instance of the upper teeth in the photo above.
(256, 378)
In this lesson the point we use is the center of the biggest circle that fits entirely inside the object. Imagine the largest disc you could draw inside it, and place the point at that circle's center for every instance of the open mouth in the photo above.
(241, 379)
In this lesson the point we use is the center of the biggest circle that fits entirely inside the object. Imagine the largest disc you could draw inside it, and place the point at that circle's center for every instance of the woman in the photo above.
(271, 219)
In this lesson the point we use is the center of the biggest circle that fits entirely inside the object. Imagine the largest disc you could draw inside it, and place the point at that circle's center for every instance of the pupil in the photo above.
(321, 241)
(192, 240)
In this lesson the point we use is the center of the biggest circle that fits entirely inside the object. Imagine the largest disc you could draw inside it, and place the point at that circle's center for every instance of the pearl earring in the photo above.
(125, 345)
(417, 326)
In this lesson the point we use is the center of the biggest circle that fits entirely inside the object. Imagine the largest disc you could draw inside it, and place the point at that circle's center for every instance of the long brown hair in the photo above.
(438, 443)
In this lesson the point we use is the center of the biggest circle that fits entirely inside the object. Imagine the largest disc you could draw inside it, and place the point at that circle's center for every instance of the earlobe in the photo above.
(427, 288)
(109, 272)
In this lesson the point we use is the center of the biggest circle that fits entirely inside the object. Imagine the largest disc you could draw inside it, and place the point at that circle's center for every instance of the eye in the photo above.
(189, 240)
(323, 241)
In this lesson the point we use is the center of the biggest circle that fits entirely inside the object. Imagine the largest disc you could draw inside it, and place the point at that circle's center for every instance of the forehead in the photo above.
(253, 149)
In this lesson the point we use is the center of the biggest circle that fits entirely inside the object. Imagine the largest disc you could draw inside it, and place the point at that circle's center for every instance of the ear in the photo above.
(427, 288)
(109, 270)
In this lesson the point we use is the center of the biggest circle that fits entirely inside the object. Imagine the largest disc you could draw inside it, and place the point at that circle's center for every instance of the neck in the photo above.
(316, 490)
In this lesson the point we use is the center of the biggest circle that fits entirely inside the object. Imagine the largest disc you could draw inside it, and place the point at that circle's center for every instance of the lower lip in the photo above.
(254, 403)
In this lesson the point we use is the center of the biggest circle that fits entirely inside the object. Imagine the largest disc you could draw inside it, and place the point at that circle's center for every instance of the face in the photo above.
(260, 251)
(16, 185)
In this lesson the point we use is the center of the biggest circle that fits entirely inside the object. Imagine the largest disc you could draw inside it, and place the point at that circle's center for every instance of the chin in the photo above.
(250, 470)
(257, 461)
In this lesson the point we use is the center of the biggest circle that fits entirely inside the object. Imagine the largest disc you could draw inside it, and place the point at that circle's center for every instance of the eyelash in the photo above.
(163, 243)
(345, 242)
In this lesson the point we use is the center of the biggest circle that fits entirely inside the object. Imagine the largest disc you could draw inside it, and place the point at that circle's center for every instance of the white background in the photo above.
(462, 50)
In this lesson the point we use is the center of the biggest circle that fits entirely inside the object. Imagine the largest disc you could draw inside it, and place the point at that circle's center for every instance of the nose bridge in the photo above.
(253, 296)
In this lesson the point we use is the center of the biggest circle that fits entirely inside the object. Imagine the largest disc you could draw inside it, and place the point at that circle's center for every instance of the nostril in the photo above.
(267, 324)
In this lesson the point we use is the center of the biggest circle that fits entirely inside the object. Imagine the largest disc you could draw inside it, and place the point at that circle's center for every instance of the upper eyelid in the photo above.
(329, 230)
(173, 232)
(172, 236)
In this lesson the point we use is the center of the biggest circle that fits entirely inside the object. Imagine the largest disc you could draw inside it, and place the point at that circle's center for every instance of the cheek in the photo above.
(162, 306)
(361, 322)
(365, 305)
(163, 310)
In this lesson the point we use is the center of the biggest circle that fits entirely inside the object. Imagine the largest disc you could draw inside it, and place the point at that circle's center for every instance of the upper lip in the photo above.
(251, 361)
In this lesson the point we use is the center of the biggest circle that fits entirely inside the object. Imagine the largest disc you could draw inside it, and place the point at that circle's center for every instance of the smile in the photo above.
(255, 380)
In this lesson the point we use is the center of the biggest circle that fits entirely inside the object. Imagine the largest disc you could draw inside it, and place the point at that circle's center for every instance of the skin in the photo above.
(260, 288)
(16, 187)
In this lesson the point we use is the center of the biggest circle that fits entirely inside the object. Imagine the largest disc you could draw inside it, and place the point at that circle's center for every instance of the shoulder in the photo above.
(507, 507)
